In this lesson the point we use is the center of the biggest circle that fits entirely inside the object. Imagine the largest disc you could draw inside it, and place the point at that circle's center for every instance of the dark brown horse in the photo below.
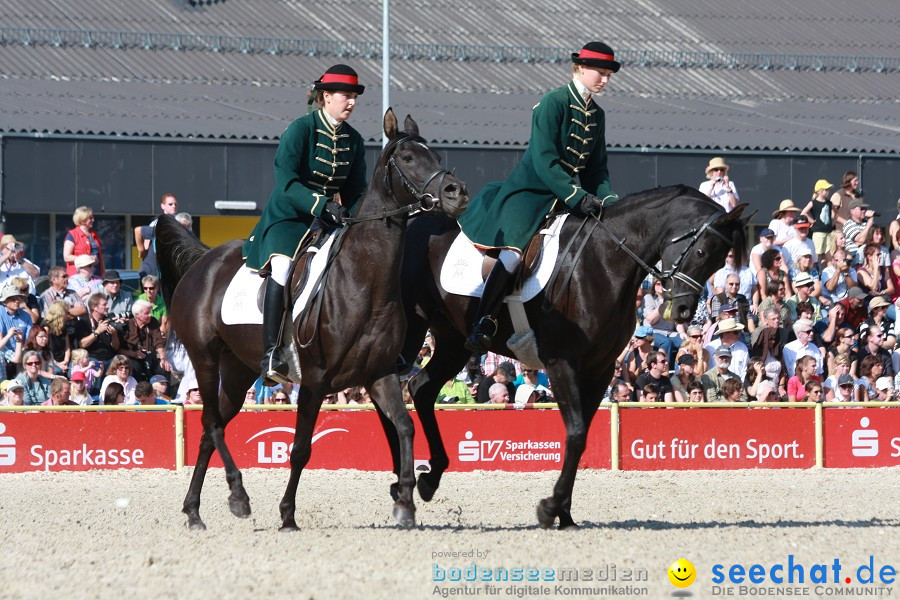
(582, 321)
(356, 334)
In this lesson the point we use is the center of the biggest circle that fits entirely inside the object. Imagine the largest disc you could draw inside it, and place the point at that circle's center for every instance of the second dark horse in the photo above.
(356, 338)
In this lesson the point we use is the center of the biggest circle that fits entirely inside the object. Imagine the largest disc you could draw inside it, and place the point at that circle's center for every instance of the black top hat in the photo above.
(597, 54)
(340, 78)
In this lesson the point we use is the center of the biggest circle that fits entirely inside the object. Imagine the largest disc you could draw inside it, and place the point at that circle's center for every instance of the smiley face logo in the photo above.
(682, 573)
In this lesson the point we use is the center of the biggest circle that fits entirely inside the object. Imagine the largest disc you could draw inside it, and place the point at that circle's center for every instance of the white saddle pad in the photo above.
(240, 307)
(461, 271)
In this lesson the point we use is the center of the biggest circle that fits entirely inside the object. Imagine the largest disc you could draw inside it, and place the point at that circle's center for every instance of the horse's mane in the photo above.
(177, 249)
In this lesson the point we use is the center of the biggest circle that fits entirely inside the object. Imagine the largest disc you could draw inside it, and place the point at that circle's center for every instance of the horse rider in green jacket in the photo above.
(565, 162)
(320, 172)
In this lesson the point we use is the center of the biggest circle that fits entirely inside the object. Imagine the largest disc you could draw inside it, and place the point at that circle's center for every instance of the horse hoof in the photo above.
(239, 508)
(289, 527)
(196, 525)
(546, 516)
(426, 489)
(569, 527)
(405, 516)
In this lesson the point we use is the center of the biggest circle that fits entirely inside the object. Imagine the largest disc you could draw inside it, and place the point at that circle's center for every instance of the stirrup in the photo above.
(480, 340)
(273, 377)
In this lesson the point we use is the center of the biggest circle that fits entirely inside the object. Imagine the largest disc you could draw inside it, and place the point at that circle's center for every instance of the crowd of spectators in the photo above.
(83, 341)
(810, 316)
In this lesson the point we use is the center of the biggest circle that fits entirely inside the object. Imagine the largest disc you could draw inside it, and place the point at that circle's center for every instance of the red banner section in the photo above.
(861, 437)
(81, 441)
(527, 440)
(686, 439)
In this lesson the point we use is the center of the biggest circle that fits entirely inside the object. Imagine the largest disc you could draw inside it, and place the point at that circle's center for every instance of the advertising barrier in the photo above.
(628, 436)
(81, 441)
(518, 440)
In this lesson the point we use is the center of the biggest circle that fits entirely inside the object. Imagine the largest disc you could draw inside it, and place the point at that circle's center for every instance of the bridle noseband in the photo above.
(425, 201)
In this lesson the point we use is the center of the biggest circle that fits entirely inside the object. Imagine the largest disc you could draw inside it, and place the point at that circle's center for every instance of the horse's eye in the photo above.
(407, 158)
(700, 252)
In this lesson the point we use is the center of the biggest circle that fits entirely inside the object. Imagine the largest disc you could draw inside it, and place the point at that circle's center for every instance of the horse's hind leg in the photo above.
(308, 406)
(449, 357)
(577, 406)
(387, 394)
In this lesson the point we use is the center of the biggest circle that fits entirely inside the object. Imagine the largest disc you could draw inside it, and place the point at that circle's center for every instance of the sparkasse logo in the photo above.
(7, 448)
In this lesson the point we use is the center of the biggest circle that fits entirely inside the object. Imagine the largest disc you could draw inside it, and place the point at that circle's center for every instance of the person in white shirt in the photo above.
(800, 244)
(802, 346)
(718, 186)
(782, 222)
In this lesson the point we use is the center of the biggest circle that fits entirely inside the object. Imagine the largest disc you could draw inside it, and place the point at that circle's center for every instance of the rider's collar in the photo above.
(329, 119)
(582, 90)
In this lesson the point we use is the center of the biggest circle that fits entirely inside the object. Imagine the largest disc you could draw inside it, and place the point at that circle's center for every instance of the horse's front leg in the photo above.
(191, 505)
(308, 406)
(577, 406)
(449, 357)
(388, 396)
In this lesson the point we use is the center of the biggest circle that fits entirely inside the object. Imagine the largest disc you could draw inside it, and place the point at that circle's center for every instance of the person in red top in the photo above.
(854, 304)
(82, 239)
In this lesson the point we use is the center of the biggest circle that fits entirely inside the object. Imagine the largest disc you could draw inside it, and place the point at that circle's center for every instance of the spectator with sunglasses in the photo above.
(802, 346)
(657, 373)
(150, 285)
(37, 387)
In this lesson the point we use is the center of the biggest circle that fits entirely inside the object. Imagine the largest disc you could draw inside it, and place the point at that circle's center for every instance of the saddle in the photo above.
(531, 257)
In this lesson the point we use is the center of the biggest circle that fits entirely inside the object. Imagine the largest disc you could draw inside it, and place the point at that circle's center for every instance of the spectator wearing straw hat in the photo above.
(821, 212)
(718, 186)
(782, 222)
(14, 264)
(878, 318)
(15, 324)
(804, 285)
(729, 332)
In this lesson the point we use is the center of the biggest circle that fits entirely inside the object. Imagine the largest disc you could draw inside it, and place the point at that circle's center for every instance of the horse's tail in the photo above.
(177, 249)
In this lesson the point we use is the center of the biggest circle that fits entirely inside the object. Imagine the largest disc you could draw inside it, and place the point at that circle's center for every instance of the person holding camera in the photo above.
(857, 227)
(838, 277)
(96, 332)
(144, 343)
(718, 186)
(14, 264)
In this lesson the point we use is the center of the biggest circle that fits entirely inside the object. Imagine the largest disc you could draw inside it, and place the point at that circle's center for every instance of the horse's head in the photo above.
(413, 172)
(692, 253)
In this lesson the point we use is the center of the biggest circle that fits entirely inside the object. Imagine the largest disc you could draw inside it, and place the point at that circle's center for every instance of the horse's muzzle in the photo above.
(454, 196)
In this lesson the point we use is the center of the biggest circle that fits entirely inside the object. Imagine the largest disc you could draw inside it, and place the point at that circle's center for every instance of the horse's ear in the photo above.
(390, 124)
(410, 127)
(734, 214)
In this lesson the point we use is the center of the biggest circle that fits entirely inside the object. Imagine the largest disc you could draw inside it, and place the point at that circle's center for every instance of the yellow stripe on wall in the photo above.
(216, 230)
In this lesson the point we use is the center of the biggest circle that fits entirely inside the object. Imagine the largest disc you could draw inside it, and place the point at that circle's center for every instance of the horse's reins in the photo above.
(674, 272)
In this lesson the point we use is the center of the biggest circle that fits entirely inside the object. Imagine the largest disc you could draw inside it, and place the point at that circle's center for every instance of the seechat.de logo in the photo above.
(7, 448)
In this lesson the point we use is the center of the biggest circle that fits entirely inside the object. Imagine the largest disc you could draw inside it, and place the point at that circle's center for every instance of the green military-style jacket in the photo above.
(566, 159)
(314, 161)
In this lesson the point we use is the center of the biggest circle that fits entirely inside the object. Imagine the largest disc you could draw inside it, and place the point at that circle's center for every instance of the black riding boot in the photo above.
(496, 288)
(274, 367)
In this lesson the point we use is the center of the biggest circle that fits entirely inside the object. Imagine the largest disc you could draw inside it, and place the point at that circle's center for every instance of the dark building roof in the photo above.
(806, 75)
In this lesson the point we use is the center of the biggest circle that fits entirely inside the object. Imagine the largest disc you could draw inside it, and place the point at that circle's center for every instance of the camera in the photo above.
(719, 179)
(121, 316)
(19, 247)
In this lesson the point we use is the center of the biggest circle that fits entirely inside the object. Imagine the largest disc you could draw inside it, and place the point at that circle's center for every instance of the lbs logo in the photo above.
(473, 450)
(7, 448)
(278, 452)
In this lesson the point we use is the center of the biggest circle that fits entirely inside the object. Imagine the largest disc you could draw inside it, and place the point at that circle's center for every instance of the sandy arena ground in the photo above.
(64, 536)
